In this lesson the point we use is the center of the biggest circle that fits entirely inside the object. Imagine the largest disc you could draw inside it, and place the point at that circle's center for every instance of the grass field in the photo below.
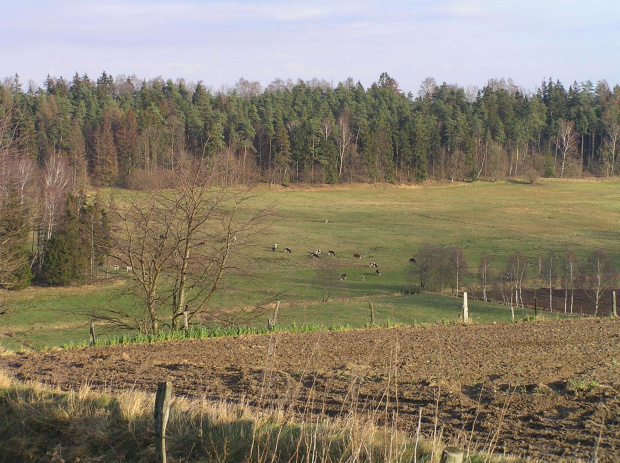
(385, 224)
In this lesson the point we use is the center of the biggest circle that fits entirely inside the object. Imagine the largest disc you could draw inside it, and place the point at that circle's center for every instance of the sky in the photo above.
(464, 42)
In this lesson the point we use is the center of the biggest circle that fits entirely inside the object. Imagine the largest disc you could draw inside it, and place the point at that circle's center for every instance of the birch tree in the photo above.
(550, 275)
(566, 143)
(611, 143)
(344, 136)
(601, 276)
(570, 264)
(517, 265)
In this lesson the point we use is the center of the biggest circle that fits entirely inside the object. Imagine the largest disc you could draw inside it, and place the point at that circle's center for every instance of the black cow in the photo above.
(287, 250)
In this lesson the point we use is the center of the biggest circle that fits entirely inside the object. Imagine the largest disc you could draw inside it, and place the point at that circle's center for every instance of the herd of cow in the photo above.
(317, 253)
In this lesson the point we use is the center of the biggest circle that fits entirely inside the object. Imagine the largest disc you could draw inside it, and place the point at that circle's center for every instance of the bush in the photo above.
(532, 175)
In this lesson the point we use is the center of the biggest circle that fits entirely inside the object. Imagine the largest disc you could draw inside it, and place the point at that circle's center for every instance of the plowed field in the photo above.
(541, 389)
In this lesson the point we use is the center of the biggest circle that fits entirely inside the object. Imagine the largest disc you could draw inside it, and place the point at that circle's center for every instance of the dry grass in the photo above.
(40, 423)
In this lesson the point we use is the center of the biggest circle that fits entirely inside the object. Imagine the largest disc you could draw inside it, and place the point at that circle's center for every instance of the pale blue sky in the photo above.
(465, 42)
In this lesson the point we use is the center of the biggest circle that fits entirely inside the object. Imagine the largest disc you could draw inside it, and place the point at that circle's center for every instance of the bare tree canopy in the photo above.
(178, 244)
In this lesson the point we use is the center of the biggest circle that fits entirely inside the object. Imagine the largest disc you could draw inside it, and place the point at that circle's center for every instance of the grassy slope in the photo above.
(385, 225)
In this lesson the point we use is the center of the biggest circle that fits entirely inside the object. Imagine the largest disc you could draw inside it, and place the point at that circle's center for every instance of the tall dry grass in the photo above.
(40, 423)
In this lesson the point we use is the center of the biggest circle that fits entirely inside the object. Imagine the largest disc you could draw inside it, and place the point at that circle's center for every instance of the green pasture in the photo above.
(384, 224)
(387, 225)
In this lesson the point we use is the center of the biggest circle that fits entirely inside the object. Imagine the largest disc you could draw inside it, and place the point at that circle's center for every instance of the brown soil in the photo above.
(538, 389)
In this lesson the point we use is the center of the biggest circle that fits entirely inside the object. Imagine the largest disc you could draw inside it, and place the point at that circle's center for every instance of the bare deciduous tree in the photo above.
(611, 143)
(483, 269)
(177, 245)
(550, 275)
(517, 265)
(566, 142)
(16, 171)
(600, 277)
(344, 136)
(460, 265)
(53, 192)
(424, 263)
(328, 274)
(570, 263)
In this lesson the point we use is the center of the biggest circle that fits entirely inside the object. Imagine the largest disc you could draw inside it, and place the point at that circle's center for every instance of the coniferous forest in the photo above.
(108, 131)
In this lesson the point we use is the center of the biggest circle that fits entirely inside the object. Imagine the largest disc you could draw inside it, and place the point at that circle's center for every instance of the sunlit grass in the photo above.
(385, 224)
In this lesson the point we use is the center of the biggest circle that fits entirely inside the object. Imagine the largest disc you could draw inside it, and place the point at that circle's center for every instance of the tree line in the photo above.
(441, 268)
(112, 131)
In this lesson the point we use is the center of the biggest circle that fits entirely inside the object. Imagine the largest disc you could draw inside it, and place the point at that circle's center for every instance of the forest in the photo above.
(58, 140)
(108, 131)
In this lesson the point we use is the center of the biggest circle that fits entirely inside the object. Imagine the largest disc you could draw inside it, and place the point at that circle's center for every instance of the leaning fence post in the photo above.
(614, 312)
(162, 411)
(92, 334)
(465, 308)
(452, 455)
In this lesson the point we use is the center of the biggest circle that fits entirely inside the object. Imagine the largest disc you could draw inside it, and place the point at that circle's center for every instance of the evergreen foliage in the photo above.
(74, 251)
(314, 132)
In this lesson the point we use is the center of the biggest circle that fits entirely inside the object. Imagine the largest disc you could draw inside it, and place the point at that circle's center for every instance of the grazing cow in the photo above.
(412, 260)
(331, 253)
(373, 264)
(115, 267)
(363, 278)
(128, 269)
(274, 247)
(287, 250)
(343, 277)
(378, 272)
(314, 255)
(318, 251)
(357, 256)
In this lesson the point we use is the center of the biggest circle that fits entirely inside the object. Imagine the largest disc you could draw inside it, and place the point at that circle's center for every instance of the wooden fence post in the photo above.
(614, 312)
(452, 455)
(185, 321)
(162, 411)
(92, 334)
(372, 313)
(465, 308)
